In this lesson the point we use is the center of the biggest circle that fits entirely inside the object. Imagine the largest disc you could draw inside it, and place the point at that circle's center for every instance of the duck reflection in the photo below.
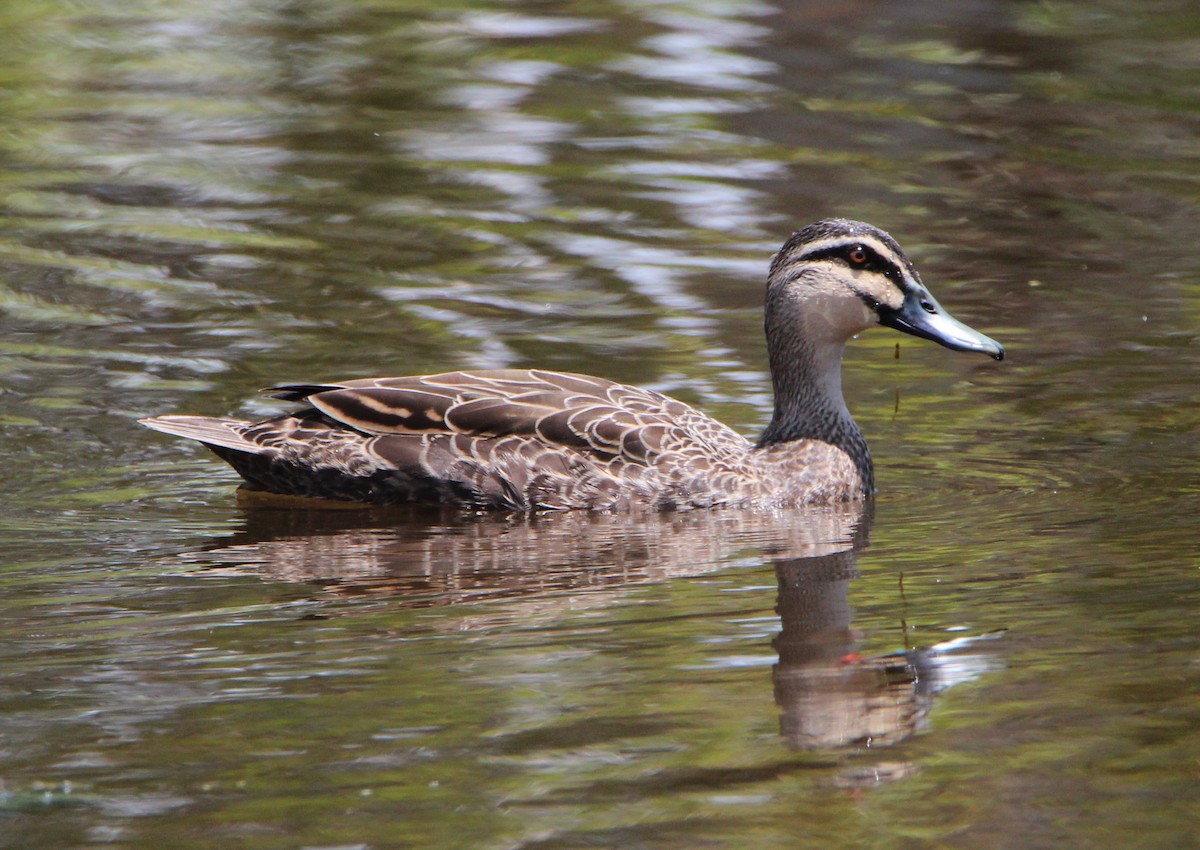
(428, 557)
(829, 694)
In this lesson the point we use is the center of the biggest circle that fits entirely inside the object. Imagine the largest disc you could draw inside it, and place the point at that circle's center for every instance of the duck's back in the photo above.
(498, 439)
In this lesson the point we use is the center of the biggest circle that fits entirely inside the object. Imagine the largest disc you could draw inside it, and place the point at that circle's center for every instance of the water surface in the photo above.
(201, 199)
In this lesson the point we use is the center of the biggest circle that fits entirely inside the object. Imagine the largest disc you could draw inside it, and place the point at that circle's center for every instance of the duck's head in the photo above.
(836, 278)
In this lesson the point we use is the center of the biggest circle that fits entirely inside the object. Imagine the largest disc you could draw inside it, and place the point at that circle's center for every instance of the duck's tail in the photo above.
(210, 430)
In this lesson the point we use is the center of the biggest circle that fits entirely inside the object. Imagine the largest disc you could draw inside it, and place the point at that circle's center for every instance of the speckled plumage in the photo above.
(539, 440)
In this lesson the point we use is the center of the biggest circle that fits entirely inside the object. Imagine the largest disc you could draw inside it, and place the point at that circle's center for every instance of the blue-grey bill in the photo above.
(922, 316)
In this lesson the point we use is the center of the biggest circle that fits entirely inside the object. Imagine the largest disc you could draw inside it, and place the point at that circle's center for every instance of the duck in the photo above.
(539, 440)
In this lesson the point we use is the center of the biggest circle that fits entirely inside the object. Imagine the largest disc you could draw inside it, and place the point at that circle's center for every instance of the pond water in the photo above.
(204, 198)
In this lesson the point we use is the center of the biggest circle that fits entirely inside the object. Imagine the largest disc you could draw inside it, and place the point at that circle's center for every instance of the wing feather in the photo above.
(557, 408)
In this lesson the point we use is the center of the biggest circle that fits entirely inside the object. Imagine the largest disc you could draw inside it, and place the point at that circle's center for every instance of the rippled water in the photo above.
(200, 199)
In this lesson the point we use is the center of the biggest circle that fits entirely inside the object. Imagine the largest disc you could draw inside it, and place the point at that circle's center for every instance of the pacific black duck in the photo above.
(528, 439)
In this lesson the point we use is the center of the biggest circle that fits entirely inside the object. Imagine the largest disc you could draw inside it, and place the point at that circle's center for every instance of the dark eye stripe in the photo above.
(875, 262)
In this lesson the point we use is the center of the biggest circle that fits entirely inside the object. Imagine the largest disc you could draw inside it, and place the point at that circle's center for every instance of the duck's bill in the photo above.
(921, 315)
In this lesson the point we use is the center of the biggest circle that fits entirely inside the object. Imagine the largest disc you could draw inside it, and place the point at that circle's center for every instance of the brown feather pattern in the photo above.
(515, 439)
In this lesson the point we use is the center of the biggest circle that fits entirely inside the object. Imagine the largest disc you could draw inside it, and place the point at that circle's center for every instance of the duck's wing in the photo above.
(507, 439)
(600, 418)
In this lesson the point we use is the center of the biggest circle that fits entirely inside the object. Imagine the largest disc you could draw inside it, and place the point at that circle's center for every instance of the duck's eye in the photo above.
(858, 255)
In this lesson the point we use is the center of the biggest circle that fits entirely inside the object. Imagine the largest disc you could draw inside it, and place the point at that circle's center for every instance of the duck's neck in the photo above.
(808, 393)
(808, 396)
